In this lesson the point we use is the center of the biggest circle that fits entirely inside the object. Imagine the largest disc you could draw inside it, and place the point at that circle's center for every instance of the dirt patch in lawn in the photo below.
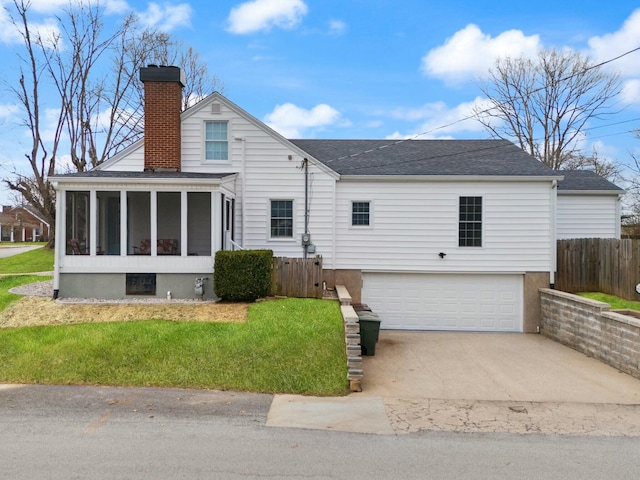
(32, 311)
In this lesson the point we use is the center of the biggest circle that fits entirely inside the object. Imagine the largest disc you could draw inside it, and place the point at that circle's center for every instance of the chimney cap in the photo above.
(154, 73)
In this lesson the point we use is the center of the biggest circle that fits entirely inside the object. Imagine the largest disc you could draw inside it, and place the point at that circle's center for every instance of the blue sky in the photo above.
(370, 68)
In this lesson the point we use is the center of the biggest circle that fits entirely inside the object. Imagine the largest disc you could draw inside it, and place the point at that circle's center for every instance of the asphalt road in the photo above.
(113, 433)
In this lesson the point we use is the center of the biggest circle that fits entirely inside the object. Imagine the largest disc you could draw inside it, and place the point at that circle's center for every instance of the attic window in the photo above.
(216, 143)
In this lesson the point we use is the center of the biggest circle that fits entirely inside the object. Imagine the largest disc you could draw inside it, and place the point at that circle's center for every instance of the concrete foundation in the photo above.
(532, 314)
(112, 286)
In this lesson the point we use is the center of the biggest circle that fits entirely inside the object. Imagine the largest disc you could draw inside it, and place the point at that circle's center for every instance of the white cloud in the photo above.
(437, 120)
(613, 44)
(47, 28)
(8, 32)
(116, 6)
(631, 91)
(470, 52)
(257, 15)
(337, 27)
(8, 110)
(290, 120)
(47, 6)
(50, 125)
(167, 17)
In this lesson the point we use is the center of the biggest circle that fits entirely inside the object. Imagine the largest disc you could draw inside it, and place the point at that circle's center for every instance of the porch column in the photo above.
(60, 239)
(183, 223)
(93, 229)
(216, 222)
(154, 223)
(123, 224)
(24, 234)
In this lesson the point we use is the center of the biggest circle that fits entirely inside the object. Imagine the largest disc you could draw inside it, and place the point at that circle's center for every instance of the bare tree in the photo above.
(34, 187)
(99, 98)
(544, 104)
(602, 166)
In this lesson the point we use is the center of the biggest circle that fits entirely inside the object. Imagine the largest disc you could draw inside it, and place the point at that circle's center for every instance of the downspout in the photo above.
(306, 204)
(553, 234)
(243, 185)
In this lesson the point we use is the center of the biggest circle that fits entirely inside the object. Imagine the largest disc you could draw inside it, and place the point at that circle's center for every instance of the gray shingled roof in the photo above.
(143, 175)
(424, 157)
(585, 180)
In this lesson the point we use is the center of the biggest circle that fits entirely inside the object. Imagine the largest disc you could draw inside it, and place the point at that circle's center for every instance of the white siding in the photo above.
(412, 222)
(588, 216)
(129, 160)
(268, 168)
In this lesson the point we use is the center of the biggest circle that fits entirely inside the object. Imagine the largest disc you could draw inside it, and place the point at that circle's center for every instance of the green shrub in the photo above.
(243, 275)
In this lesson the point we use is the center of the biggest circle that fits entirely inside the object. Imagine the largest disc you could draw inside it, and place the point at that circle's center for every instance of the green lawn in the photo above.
(287, 346)
(7, 283)
(39, 260)
(616, 303)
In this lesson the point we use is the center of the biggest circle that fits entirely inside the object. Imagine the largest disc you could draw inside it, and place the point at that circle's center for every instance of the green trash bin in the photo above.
(369, 332)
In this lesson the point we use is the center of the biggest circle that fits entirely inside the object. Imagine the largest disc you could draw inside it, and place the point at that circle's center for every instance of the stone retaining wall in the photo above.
(589, 326)
(352, 338)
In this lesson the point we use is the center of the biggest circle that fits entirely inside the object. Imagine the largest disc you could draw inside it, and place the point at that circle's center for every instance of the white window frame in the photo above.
(292, 238)
(357, 226)
(481, 222)
(205, 140)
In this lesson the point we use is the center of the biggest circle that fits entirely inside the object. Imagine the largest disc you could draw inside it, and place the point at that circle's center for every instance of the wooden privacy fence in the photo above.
(606, 265)
(297, 277)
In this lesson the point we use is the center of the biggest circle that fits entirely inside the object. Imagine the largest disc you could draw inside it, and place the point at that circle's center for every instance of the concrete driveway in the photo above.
(486, 366)
(475, 383)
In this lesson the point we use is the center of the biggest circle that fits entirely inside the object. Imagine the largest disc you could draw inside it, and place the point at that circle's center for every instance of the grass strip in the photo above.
(38, 260)
(287, 346)
(616, 303)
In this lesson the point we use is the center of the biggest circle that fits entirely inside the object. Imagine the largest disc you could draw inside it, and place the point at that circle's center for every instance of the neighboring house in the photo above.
(588, 206)
(22, 224)
(431, 234)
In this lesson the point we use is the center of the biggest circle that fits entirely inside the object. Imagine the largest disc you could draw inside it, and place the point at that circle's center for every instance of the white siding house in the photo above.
(431, 234)
(588, 206)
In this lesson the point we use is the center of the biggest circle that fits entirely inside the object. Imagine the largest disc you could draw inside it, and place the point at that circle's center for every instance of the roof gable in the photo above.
(425, 157)
(138, 147)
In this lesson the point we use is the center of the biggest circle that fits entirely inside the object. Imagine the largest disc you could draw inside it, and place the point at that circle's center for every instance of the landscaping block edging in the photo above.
(589, 327)
(352, 339)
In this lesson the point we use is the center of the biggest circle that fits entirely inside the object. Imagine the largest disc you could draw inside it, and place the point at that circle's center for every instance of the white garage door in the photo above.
(415, 301)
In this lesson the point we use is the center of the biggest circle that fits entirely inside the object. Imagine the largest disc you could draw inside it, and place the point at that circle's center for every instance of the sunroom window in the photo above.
(77, 224)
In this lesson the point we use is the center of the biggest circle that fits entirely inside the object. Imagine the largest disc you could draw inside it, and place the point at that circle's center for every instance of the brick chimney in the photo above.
(162, 105)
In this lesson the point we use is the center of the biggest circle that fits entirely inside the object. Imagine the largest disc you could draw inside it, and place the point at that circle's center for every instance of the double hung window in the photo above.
(281, 218)
(360, 212)
(470, 222)
(216, 141)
